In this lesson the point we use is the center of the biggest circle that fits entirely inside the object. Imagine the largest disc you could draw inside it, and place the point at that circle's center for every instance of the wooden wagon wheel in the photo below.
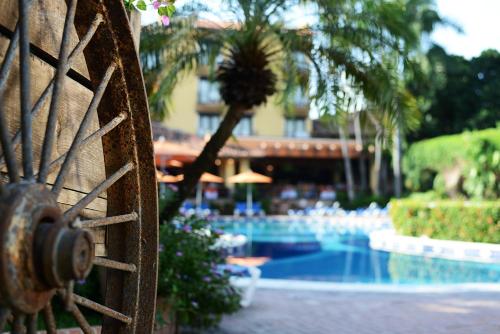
(77, 176)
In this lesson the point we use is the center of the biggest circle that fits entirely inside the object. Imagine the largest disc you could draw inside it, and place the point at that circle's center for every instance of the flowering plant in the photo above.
(191, 275)
(165, 8)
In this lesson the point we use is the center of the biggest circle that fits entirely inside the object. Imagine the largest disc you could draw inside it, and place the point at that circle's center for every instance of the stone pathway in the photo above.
(297, 312)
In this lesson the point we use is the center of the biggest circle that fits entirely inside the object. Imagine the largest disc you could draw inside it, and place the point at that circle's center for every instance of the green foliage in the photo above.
(467, 94)
(360, 201)
(482, 177)
(165, 8)
(198, 293)
(245, 76)
(169, 195)
(477, 221)
(428, 158)
(167, 55)
(425, 196)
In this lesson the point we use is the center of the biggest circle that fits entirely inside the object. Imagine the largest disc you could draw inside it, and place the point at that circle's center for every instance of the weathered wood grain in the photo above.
(88, 169)
(46, 27)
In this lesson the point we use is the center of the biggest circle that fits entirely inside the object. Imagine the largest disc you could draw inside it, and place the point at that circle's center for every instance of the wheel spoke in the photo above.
(78, 140)
(4, 314)
(102, 309)
(72, 213)
(32, 323)
(18, 324)
(24, 61)
(49, 319)
(9, 58)
(7, 148)
(77, 51)
(103, 262)
(80, 319)
(108, 221)
(98, 134)
(48, 141)
(10, 55)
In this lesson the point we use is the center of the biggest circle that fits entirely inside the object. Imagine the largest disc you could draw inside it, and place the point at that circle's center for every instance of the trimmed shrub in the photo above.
(482, 177)
(448, 219)
(428, 159)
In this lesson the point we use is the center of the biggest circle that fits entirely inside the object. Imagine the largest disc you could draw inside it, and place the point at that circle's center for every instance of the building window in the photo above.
(208, 92)
(296, 127)
(300, 98)
(244, 127)
(205, 59)
(301, 61)
(208, 124)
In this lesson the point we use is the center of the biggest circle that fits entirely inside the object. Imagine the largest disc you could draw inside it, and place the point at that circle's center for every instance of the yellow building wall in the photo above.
(183, 105)
(268, 119)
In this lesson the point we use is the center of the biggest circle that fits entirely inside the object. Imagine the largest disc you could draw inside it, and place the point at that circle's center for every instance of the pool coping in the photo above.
(299, 285)
(388, 240)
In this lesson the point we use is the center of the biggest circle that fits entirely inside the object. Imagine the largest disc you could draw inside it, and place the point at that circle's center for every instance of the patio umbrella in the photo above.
(205, 178)
(249, 177)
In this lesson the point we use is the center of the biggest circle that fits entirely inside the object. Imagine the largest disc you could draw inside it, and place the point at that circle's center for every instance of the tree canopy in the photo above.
(467, 95)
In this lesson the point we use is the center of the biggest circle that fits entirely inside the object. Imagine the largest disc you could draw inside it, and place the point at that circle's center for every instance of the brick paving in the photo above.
(297, 312)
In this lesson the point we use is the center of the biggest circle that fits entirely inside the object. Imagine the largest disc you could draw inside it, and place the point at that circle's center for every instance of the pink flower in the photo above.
(165, 20)
(156, 4)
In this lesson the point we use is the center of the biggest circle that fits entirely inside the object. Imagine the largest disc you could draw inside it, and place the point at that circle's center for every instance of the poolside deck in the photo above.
(328, 312)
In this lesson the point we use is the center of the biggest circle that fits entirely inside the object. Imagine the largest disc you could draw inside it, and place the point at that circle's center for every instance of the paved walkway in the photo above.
(297, 312)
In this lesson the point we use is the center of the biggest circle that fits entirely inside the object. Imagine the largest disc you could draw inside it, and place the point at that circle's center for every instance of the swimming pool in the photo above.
(337, 250)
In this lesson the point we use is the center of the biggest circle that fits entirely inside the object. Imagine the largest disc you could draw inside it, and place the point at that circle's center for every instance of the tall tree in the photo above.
(398, 66)
(257, 48)
(360, 147)
(467, 93)
(348, 38)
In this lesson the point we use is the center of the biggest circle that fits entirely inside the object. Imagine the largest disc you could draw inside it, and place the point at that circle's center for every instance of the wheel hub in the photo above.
(39, 251)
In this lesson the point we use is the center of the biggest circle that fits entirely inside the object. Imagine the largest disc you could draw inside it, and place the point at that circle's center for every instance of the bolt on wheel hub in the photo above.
(39, 252)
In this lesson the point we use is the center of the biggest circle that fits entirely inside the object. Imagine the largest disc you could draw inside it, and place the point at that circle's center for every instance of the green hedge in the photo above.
(426, 158)
(447, 219)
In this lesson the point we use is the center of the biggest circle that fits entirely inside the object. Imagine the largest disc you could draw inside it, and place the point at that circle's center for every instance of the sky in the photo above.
(479, 20)
(480, 23)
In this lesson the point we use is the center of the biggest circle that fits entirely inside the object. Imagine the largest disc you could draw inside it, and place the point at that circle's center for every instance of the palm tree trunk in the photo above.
(347, 163)
(377, 166)
(396, 162)
(362, 163)
(204, 161)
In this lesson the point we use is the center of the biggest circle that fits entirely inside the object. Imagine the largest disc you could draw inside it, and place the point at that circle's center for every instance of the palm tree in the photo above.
(358, 133)
(379, 70)
(378, 145)
(348, 38)
(258, 49)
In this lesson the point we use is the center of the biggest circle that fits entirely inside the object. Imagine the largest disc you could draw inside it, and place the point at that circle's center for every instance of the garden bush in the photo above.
(477, 221)
(196, 291)
(425, 162)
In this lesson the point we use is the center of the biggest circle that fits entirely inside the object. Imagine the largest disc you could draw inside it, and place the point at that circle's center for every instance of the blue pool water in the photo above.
(327, 251)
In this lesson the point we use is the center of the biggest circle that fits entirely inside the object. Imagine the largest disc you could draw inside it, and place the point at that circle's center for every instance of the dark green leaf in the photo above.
(141, 5)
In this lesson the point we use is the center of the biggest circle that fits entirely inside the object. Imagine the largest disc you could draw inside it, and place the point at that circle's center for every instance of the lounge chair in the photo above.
(241, 209)
(244, 278)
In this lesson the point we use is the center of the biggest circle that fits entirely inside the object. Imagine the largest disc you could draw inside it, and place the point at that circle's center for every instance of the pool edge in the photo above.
(298, 285)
